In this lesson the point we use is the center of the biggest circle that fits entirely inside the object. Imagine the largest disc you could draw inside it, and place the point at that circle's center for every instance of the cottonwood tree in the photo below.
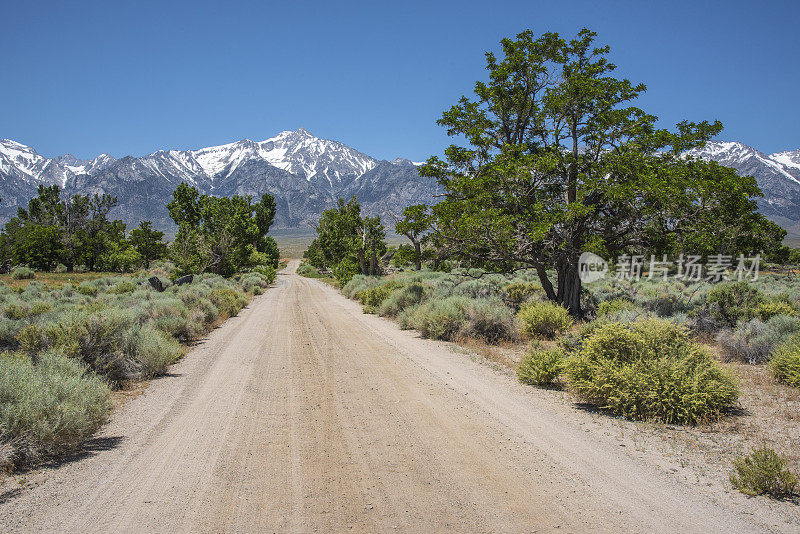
(558, 161)
(221, 234)
(414, 223)
(149, 243)
(348, 242)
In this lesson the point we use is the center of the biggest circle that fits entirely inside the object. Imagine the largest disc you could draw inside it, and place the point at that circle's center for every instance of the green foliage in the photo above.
(267, 271)
(23, 273)
(60, 268)
(348, 243)
(489, 319)
(545, 319)
(414, 223)
(785, 363)
(650, 369)
(221, 234)
(374, 296)
(734, 301)
(764, 472)
(557, 160)
(149, 243)
(402, 299)
(541, 367)
(50, 406)
(439, 319)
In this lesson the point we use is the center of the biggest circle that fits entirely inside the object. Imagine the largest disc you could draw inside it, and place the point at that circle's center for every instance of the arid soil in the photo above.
(303, 414)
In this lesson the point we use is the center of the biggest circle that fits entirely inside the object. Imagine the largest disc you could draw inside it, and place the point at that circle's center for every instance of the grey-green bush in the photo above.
(764, 472)
(50, 407)
(23, 273)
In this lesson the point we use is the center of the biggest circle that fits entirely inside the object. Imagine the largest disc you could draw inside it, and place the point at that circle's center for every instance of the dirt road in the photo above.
(302, 414)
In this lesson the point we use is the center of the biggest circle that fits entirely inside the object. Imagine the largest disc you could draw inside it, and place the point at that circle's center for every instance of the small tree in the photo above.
(414, 224)
(148, 242)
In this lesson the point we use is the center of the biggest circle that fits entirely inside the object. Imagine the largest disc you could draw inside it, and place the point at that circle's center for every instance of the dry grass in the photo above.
(56, 279)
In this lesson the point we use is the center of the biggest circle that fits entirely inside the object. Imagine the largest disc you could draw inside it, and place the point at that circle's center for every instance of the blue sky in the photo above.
(134, 77)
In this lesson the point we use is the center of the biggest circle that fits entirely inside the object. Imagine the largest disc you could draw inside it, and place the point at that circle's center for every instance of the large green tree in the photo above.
(221, 234)
(557, 160)
(348, 242)
(73, 231)
(149, 243)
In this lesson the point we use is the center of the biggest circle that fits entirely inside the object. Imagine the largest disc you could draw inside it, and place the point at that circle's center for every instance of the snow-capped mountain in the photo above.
(778, 176)
(305, 174)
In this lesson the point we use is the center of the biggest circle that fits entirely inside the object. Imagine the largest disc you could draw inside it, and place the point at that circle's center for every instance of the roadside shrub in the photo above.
(439, 319)
(374, 296)
(268, 272)
(123, 287)
(665, 305)
(517, 293)
(359, 283)
(754, 341)
(489, 319)
(50, 407)
(614, 306)
(541, 367)
(763, 472)
(227, 300)
(769, 309)
(152, 349)
(23, 273)
(544, 319)
(785, 363)
(734, 301)
(650, 369)
(401, 299)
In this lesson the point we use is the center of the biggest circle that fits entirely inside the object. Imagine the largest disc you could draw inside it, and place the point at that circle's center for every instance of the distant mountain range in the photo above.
(306, 175)
(778, 176)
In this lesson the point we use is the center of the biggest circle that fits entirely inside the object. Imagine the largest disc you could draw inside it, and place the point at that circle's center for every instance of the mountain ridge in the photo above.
(306, 175)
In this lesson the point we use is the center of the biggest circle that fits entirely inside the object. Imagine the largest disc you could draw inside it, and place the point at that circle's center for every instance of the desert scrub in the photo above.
(785, 363)
(439, 319)
(763, 472)
(489, 319)
(374, 296)
(769, 309)
(518, 293)
(49, 407)
(650, 369)
(732, 302)
(402, 298)
(614, 306)
(23, 273)
(541, 367)
(753, 342)
(544, 319)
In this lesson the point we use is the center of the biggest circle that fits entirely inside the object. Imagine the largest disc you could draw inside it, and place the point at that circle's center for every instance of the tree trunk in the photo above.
(417, 256)
(569, 286)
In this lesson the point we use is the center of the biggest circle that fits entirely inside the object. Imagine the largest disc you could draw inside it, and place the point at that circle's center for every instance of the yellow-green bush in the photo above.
(541, 367)
(544, 319)
(785, 362)
(519, 292)
(650, 369)
(769, 309)
(763, 472)
(613, 306)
